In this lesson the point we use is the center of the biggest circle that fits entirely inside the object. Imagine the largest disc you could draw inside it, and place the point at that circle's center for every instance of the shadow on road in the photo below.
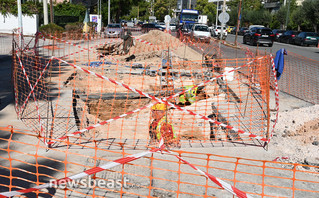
(6, 93)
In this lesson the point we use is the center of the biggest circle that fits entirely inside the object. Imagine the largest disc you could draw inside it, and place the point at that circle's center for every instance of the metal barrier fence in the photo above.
(83, 90)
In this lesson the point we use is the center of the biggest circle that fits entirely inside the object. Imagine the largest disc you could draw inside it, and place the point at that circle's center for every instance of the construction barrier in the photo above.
(300, 77)
(91, 103)
(108, 168)
(74, 91)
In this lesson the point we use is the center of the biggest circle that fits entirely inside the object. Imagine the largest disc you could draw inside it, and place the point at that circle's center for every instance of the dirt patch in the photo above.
(296, 135)
(107, 109)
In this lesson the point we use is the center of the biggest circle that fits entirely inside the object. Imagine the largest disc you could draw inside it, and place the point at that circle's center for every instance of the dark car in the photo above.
(140, 23)
(233, 30)
(260, 36)
(307, 38)
(185, 29)
(288, 37)
(277, 33)
(151, 26)
(242, 31)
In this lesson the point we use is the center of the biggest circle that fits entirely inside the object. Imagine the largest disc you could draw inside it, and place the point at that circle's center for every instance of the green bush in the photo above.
(76, 27)
(52, 29)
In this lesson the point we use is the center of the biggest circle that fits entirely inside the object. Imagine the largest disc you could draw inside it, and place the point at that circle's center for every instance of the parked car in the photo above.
(140, 23)
(259, 35)
(242, 31)
(114, 30)
(151, 26)
(278, 33)
(200, 32)
(233, 30)
(307, 38)
(172, 27)
(130, 24)
(185, 29)
(217, 30)
(162, 24)
(288, 37)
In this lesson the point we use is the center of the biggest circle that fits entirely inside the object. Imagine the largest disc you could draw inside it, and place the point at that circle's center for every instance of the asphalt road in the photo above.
(309, 52)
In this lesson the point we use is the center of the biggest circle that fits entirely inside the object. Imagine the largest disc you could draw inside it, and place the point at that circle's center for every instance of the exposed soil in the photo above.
(107, 109)
(297, 135)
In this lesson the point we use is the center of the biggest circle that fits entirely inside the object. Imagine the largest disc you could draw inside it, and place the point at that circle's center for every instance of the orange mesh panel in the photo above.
(299, 76)
(26, 161)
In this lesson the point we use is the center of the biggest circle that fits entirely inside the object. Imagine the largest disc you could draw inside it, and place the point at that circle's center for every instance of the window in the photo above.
(114, 26)
(201, 28)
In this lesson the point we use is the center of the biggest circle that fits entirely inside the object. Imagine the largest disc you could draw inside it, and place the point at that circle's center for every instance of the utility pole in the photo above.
(20, 28)
(222, 30)
(190, 4)
(45, 12)
(238, 22)
(51, 12)
(287, 15)
(217, 13)
(109, 12)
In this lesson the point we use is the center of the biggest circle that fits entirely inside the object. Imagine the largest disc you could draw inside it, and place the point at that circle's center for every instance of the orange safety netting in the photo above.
(27, 162)
(69, 89)
(300, 77)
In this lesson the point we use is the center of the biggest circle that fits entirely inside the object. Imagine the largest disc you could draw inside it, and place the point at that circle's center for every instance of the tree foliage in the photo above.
(164, 7)
(310, 8)
(28, 8)
(207, 8)
(69, 9)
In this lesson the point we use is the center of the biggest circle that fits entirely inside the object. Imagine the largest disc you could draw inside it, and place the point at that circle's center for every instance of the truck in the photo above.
(202, 19)
(188, 16)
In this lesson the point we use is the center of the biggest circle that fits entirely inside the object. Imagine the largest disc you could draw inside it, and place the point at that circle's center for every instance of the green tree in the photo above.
(281, 15)
(207, 8)
(69, 9)
(310, 8)
(28, 8)
(260, 17)
(298, 19)
(164, 7)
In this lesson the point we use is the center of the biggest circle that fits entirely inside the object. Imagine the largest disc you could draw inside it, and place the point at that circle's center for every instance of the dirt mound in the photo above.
(157, 37)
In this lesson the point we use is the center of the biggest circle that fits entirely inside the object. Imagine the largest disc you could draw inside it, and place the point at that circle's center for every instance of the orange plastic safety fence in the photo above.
(26, 162)
(300, 77)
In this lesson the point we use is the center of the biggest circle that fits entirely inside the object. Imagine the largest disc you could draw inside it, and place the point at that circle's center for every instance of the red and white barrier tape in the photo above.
(276, 97)
(168, 103)
(35, 100)
(139, 109)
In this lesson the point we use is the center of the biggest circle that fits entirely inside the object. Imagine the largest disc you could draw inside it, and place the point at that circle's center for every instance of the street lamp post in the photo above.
(20, 30)
(223, 24)
(287, 15)
(217, 13)
(109, 12)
